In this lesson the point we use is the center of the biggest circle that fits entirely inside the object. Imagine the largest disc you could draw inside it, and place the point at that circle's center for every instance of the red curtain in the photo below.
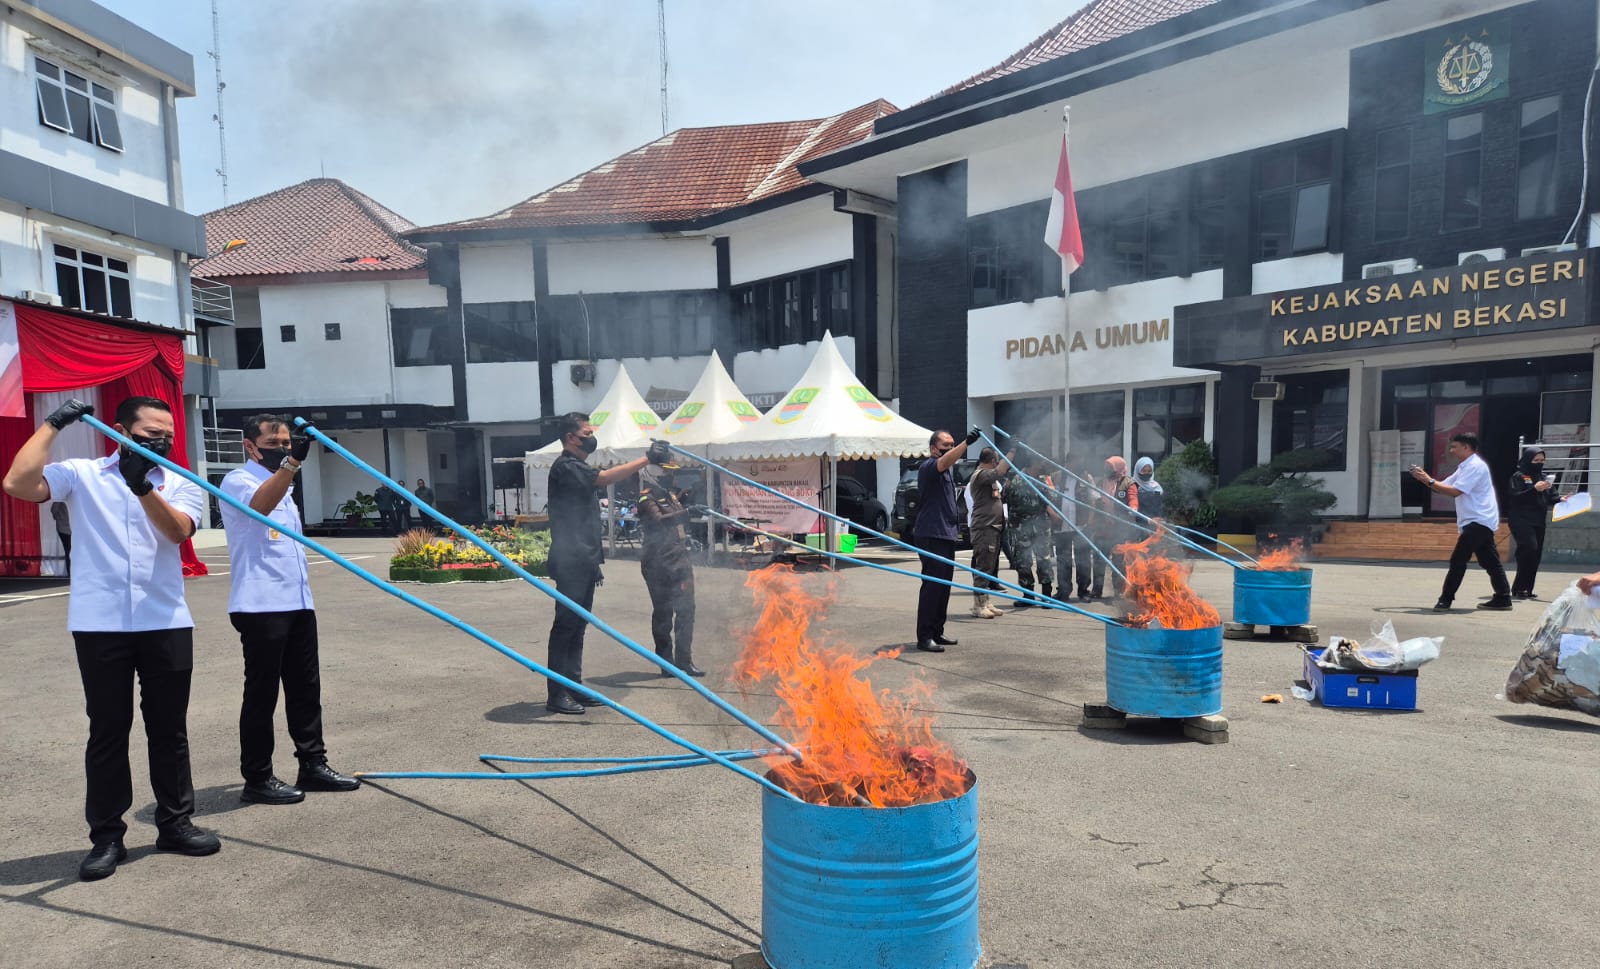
(61, 352)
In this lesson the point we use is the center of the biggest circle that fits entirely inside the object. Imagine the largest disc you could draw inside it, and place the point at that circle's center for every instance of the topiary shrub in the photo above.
(1279, 494)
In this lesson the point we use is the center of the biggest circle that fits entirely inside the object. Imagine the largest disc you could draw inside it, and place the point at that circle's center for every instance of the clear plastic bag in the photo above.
(1561, 665)
(1383, 651)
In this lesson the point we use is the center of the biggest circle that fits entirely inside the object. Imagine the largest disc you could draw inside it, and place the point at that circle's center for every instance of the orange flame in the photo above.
(1284, 558)
(860, 746)
(1158, 590)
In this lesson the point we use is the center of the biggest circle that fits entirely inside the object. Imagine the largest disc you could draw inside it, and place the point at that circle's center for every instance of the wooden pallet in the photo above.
(1212, 729)
(1279, 634)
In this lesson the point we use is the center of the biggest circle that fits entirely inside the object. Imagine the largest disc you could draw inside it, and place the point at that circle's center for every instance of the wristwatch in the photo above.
(291, 464)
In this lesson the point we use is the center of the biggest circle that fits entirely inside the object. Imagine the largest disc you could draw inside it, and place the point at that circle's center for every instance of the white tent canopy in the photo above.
(827, 413)
(713, 412)
(622, 421)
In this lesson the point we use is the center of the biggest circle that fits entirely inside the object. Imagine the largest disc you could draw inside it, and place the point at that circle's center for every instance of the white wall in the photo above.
(26, 262)
(424, 385)
(415, 294)
(777, 370)
(503, 391)
(789, 239)
(632, 265)
(1296, 272)
(665, 373)
(496, 274)
(139, 169)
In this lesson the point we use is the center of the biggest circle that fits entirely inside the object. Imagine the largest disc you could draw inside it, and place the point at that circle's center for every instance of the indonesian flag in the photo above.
(1061, 229)
(12, 403)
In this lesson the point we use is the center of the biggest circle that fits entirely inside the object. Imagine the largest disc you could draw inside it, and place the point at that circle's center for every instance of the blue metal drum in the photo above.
(1164, 672)
(1263, 598)
(870, 888)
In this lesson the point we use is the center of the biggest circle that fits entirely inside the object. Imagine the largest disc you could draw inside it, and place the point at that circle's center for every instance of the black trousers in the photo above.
(279, 647)
(66, 545)
(1091, 568)
(565, 654)
(163, 660)
(933, 598)
(671, 609)
(1475, 540)
(1064, 563)
(1529, 536)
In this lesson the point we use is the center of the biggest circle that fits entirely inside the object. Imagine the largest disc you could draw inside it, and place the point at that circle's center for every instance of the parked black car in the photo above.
(905, 495)
(857, 504)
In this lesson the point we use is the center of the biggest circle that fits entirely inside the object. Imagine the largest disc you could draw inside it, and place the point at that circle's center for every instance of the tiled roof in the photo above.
(688, 174)
(1096, 23)
(317, 226)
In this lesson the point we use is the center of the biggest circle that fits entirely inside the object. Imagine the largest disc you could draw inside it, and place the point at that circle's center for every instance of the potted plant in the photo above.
(356, 510)
(1188, 477)
(1279, 499)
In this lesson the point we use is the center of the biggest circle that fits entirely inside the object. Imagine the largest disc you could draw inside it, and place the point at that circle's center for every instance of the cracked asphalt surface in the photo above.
(1459, 835)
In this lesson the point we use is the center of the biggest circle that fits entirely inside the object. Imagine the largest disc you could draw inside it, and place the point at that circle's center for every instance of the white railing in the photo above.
(212, 299)
(1569, 461)
(224, 445)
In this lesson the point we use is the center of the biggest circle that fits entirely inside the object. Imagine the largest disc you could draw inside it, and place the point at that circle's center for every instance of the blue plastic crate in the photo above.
(1361, 689)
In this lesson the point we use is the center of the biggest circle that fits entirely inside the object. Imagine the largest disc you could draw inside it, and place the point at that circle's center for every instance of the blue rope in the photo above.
(427, 607)
(1031, 483)
(652, 758)
(550, 590)
(557, 774)
(893, 541)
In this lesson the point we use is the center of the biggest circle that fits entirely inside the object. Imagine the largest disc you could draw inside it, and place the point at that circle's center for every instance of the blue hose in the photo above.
(652, 758)
(548, 775)
(427, 607)
(893, 541)
(549, 590)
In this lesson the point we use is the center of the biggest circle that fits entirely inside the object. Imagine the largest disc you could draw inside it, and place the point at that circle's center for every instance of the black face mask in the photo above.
(588, 444)
(158, 445)
(272, 458)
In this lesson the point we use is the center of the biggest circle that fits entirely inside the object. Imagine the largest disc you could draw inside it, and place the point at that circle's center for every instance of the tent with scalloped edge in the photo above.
(623, 425)
(714, 410)
(827, 413)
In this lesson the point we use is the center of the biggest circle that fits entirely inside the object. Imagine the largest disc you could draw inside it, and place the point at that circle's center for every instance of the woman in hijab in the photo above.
(1150, 495)
(1528, 501)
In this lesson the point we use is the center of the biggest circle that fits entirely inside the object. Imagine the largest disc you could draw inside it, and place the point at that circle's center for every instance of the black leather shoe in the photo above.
(930, 646)
(271, 791)
(565, 704)
(691, 669)
(186, 839)
(320, 777)
(101, 861)
(1441, 606)
(944, 641)
(1497, 605)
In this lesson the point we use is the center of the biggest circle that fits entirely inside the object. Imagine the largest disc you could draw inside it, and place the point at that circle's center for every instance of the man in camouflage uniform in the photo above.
(668, 574)
(1032, 540)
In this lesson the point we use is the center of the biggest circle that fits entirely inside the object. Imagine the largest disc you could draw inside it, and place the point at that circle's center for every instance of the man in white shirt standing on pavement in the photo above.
(270, 606)
(127, 615)
(1477, 518)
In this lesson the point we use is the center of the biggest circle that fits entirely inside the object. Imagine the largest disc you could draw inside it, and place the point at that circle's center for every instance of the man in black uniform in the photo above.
(575, 552)
(668, 574)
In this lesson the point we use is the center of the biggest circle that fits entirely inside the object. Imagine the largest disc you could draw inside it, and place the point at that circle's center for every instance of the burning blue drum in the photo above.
(1267, 598)
(1164, 672)
(870, 888)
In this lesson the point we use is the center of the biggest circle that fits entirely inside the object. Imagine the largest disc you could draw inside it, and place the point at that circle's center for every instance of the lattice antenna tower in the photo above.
(222, 129)
(661, 32)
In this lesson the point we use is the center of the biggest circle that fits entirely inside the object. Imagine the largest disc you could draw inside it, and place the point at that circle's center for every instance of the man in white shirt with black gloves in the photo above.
(127, 615)
(1477, 518)
(271, 607)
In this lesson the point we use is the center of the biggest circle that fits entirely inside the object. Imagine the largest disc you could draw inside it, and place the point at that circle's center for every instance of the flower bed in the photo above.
(422, 556)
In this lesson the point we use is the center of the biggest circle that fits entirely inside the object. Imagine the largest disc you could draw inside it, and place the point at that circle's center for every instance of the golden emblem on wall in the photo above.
(1465, 67)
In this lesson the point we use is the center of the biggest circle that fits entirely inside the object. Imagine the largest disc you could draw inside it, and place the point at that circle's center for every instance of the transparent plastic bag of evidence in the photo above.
(1384, 651)
(1561, 665)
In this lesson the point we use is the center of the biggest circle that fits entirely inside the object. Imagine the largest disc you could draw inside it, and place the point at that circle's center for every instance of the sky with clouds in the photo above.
(450, 109)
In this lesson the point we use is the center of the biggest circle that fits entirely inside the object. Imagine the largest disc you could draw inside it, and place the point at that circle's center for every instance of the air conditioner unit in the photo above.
(1542, 250)
(40, 296)
(1266, 390)
(1480, 255)
(582, 373)
(1394, 267)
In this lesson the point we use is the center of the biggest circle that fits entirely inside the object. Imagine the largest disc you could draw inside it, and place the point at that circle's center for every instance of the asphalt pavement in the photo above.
(1461, 834)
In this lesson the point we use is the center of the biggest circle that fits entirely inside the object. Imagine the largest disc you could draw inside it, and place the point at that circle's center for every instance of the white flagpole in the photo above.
(1066, 322)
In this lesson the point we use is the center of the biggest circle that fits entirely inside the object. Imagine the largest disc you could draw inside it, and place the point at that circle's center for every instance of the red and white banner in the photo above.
(12, 403)
(800, 478)
(1061, 228)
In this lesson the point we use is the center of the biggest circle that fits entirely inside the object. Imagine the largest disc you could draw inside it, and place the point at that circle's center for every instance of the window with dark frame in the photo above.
(90, 281)
(1392, 186)
(421, 336)
(286, 333)
(1294, 189)
(1007, 260)
(1165, 419)
(793, 309)
(1463, 172)
(1313, 413)
(1210, 216)
(501, 332)
(330, 331)
(1097, 420)
(249, 349)
(1536, 157)
(76, 105)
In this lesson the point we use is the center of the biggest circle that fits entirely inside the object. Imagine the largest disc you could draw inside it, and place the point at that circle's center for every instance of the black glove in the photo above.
(68, 413)
(301, 444)
(134, 467)
(972, 436)
(659, 452)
